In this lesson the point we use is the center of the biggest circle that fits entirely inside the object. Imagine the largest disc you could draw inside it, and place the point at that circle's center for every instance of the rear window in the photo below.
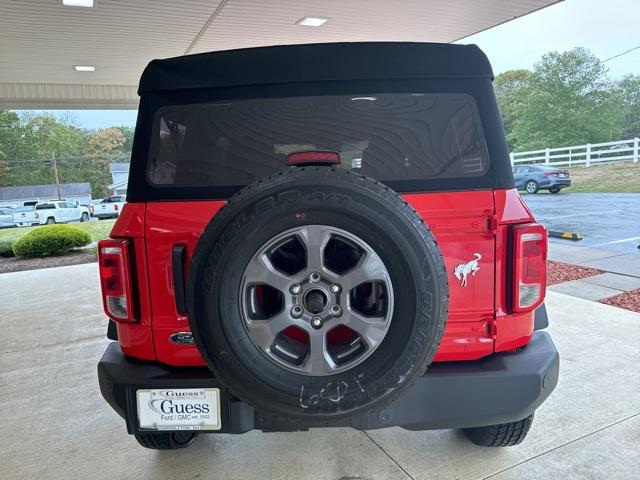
(391, 137)
(45, 206)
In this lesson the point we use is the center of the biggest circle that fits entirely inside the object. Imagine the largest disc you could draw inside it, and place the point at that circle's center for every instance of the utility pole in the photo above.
(55, 174)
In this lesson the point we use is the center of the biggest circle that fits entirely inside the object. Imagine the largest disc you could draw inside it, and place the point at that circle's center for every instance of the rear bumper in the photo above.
(557, 182)
(501, 388)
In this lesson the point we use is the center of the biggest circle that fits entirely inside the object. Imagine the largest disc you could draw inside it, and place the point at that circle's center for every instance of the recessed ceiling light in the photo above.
(311, 21)
(84, 68)
(78, 3)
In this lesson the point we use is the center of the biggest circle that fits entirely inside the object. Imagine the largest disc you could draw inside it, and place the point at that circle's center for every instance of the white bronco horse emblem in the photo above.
(462, 270)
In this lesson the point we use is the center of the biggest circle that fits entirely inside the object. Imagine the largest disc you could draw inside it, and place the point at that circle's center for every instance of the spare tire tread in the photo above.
(376, 187)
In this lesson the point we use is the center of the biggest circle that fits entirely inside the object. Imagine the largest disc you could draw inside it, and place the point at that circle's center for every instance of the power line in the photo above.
(621, 54)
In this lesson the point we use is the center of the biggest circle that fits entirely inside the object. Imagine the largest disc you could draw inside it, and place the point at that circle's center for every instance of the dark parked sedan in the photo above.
(532, 178)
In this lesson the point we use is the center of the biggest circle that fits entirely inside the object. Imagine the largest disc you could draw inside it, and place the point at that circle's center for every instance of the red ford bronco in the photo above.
(324, 235)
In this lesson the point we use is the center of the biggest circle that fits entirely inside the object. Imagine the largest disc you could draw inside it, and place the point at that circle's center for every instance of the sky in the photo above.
(606, 27)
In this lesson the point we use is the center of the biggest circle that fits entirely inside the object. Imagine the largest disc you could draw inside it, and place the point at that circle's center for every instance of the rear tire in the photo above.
(501, 435)
(554, 190)
(51, 221)
(166, 441)
(85, 217)
(531, 186)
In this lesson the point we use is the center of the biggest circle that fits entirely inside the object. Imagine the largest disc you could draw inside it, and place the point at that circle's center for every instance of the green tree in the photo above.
(629, 97)
(511, 88)
(30, 142)
(10, 141)
(569, 100)
(102, 148)
(127, 133)
(11, 132)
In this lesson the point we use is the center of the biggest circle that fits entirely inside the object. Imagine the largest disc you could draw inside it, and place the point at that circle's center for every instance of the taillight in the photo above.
(115, 279)
(37, 216)
(115, 207)
(551, 174)
(529, 266)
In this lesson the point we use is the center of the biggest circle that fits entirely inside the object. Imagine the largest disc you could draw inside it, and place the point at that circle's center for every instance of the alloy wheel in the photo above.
(316, 300)
(531, 186)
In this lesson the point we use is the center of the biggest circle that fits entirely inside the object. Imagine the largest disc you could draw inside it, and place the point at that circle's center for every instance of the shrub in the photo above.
(51, 240)
(6, 248)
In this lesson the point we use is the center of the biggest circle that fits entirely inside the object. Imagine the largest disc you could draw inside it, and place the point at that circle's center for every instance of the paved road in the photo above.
(56, 425)
(609, 221)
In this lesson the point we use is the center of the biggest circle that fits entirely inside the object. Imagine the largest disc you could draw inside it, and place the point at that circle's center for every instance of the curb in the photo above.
(565, 235)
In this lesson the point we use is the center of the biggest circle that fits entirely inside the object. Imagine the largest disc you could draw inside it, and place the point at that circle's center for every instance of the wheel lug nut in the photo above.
(316, 321)
(336, 311)
(295, 289)
(296, 311)
(314, 277)
(334, 288)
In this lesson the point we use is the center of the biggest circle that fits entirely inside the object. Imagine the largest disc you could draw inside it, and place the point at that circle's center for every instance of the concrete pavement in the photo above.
(57, 426)
(621, 271)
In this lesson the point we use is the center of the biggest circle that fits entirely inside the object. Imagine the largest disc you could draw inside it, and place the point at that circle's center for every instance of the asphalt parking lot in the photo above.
(609, 221)
(57, 426)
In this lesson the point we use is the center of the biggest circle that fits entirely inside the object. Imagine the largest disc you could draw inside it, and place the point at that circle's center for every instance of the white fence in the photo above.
(582, 154)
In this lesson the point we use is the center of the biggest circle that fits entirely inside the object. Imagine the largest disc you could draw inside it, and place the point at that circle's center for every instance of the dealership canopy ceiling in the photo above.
(57, 54)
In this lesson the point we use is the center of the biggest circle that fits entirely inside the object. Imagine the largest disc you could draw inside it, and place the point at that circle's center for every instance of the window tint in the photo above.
(389, 137)
(44, 206)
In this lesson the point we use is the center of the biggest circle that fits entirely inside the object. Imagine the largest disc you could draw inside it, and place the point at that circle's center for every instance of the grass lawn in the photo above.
(614, 178)
(621, 177)
(97, 229)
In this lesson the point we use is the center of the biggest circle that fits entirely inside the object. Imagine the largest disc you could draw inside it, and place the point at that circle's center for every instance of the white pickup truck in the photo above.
(26, 216)
(109, 207)
(61, 211)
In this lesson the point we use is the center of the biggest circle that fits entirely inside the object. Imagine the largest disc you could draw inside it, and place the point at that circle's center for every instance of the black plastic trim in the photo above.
(541, 319)
(112, 331)
(178, 258)
(502, 388)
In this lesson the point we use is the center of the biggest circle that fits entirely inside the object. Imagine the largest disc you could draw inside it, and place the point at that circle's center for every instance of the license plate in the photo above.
(179, 409)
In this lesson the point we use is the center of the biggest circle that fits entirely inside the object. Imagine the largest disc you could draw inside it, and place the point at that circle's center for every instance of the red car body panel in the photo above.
(464, 223)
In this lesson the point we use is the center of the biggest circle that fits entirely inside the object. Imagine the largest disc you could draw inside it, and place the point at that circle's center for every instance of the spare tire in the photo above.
(317, 294)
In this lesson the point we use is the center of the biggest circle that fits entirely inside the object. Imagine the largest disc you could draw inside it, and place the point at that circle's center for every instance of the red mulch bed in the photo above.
(627, 300)
(558, 272)
(13, 264)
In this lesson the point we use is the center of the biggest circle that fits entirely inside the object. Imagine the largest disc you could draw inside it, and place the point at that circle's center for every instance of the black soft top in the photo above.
(315, 62)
